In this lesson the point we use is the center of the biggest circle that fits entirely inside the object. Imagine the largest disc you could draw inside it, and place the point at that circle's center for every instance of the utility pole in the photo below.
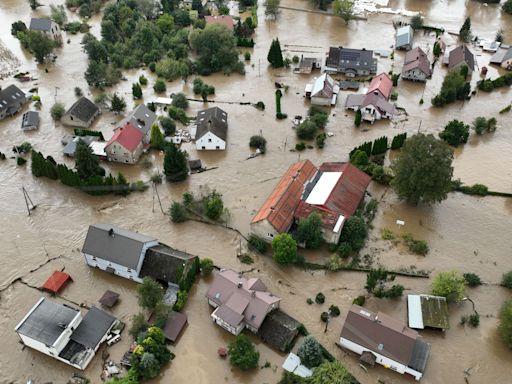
(158, 197)
(28, 200)
(259, 67)
(419, 126)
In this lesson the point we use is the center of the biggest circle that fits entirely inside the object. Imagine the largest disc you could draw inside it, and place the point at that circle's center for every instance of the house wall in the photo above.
(234, 330)
(210, 142)
(331, 237)
(55, 33)
(415, 75)
(63, 339)
(264, 230)
(116, 152)
(382, 360)
(321, 100)
(70, 119)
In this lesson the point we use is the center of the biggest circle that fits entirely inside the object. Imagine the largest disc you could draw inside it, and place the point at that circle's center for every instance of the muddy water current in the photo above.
(465, 233)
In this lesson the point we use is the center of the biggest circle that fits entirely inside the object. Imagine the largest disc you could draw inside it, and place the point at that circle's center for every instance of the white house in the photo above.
(212, 129)
(404, 36)
(49, 27)
(378, 338)
(126, 145)
(416, 66)
(62, 333)
(324, 91)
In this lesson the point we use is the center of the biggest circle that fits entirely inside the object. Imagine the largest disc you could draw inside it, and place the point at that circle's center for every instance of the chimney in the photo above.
(253, 293)
(111, 232)
(239, 284)
(364, 49)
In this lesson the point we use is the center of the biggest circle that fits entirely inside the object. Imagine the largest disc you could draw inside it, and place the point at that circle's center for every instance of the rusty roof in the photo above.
(381, 83)
(279, 207)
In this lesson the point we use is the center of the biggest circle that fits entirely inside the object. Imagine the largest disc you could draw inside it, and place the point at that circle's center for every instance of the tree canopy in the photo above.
(86, 164)
(149, 293)
(455, 133)
(272, 8)
(309, 230)
(275, 55)
(242, 353)
(505, 327)
(332, 373)
(465, 30)
(450, 285)
(344, 9)
(284, 249)
(310, 352)
(175, 163)
(423, 170)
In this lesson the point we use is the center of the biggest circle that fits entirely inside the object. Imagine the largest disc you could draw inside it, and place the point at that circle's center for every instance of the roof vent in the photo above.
(380, 347)
(62, 325)
(111, 232)
(240, 284)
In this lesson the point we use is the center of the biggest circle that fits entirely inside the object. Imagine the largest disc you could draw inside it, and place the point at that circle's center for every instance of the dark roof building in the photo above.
(30, 121)
(141, 118)
(351, 62)
(81, 114)
(93, 327)
(416, 65)
(404, 37)
(162, 262)
(390, 342)
(461, 56)
(212, 129)
(279, 330)
(11, 100)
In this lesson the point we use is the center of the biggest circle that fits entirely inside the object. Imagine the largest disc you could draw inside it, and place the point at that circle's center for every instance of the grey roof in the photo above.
(9, 96)
(501, 56)
(404, 36)
(44, 25)
(461, 54)
(162, 262)
(30, 119)
(93, 328)
(141, 118)
(46, 321)
(83, 109)
(213, 120)
(70, 148)
(419, 357)
(342, 58)
(279, 330)
(122, 247)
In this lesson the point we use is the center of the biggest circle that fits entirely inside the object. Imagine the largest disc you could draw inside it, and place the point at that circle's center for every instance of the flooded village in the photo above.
(74, 248)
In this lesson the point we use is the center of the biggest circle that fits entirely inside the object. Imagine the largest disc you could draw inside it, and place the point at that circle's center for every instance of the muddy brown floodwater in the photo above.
(465, 233)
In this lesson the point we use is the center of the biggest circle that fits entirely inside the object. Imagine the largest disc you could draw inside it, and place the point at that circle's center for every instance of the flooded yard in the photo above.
(465, 233)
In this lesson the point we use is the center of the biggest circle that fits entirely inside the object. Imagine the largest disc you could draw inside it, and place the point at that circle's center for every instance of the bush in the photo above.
(474, 320)
(324, 317)
(143, 80)
(344, 249)
(320, 140)
(309, 230)
(310, 352)
(505, 326)
(320, 298)
(306, 130)
(450, 285)
(57, 111)
(139, 324)
(260, 105)
(257, 244)
(416, 22)
(455, 133)
(300, 146)
(177, 212)
(359, 300)
(181, 300)
(214, 206)
(472, 279)
(247, 56)
(180, 101)
(243, 354)
(284, 248)
(309, 301)
(334, 311)
(20, 161)
(507, 7)
(168, 125)
(419, 247)
(178, 114)
(159, 86)
(259, 142)
(354, 232)
(149, 293)
(506, 280)
(206, 266)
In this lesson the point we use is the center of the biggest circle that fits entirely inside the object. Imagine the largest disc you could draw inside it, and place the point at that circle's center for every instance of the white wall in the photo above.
(264, 230)
(227, 327)
(210, 142)
(321, 100)
(63, 339)
(116, 152)
(414, 74)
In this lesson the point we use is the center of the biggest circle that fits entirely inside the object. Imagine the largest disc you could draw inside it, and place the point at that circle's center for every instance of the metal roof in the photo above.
(56, 281)
(46, 321)
(404, 36)
(44, 25)
(83, 109)
(141, 118)
(427, 311)
(30, 120)
(93, 328)
(323, 188)
(213, 120)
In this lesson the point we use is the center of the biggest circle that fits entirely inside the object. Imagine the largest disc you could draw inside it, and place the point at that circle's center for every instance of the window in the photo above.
(217, 147)
(128, 269)
(71, 117)
(209, 140)
(270, 235)
(203, 147)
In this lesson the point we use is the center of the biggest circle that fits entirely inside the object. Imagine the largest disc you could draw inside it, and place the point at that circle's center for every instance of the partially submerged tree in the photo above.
(243, 354)
(38, 43)
(272, 7)
(284, 249)
(332, 373)
(149, 293)
(86, 164)
(505, 327)
(455, 133)
(465, 30)
(450, 285)
(117, 103)
(344, 9)
(309, 230)
(417, 22)
(57, 111)
(175, 163)
(310, 352)
(275, 55)
(157, 139)
(423, 170)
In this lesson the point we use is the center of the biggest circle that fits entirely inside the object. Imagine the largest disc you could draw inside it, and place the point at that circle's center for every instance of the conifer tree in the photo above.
(275, 55)
(175, 163)
(117, 103)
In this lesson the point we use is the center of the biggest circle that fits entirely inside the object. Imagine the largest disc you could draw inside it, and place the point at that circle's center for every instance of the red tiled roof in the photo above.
(223, 20)
(345, 196)
(56, 281)
(279, 207)
(381, 83)
(128, 136)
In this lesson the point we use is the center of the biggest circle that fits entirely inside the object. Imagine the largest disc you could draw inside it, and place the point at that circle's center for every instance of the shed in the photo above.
(293, 364)
(109, 298)
(30, 121)
(174, 325)
(404, 38)
(279, 330)
(56, 282)
(195, 165)
(426, 311)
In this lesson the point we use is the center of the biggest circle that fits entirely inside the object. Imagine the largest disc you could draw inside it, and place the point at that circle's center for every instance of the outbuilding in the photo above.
(81, 114)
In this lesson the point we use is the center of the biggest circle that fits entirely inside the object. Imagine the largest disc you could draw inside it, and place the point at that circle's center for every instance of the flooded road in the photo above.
(465, 233)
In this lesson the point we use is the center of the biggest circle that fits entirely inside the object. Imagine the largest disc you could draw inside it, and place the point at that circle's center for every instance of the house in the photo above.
(70, 147)
(48, 27)
(489, 45)
(307, 64)
(404, 37)
(11, 100)
(334, 190)
(351, 62)
(279, 330)
(239, 302)
(503, 58)
(81, 114)
(212, 129)
(30, 121)
(378, 338)
(293, 364)
(225, 20)
(416, 66)
(141, 118)
(374, 105)
(461, 56)
(126, 145)
(426, 311)
(324, 91)
(61, 331)
(132, 255)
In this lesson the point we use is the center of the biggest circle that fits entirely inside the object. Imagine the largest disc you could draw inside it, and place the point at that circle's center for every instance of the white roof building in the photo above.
(292, 364)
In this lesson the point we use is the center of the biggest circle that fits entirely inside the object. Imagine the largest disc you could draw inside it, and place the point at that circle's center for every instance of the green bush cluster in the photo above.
(203, 89)
(472, 279)
(398, 141)
(359, 300)
(316, 120)
(419, 247)
(320, 298)
(243, 354)
(375, 280)
(257, 244)
(181, 301)
(490, 85)
(259, 142)
(380, 145)
(455, 87)
(455, 133)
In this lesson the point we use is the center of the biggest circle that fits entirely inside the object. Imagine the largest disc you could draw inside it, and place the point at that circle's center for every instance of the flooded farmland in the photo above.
(465, 233)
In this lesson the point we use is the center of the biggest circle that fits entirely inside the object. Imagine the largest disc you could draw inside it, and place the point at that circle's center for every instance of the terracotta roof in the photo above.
(279, 207)
(381, 83)
(128, 136)
(223, 20)
(56, 281)
(461, 54)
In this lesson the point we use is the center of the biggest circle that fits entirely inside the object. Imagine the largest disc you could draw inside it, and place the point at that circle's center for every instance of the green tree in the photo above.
(306, 130)
(57, 111)
(416, 22)
(332, 373)
(465, 30)
(86, 164)
(175, 163)
(149, 293)
(139, 324)
(505, 326)
(136, 91)
(275, 55)
(177, 212)
(159, 86)
(455, 133)
(168, 125)
(117, 104)
(358, 119)
(58, 14)
(206, 266)
(354, 232)
(179, 100)
(344, 9)
(243, 354)
(506, 280)
(472, 279)
(40, 45)
(284, 249)
(437, 50)
(272, 8)
(507, 6)
(214, 206)
(309, 230)
(122, 187)
(423, 170)
(259, 142)
(156, 139)
(454, 87)
(310, 352)
(18, 26)
(149, 366)
(33, 4)
(480, 125)
(450, 285)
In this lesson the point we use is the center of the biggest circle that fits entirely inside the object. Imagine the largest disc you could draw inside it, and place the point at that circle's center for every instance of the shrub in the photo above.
(247, 56)
(354, 232)
(335, 263)
(284, 248)
(320, 140)
(180, 101)
(143, 80)
(474, 320)
(472, 279)
(139, 324)
(243, 354)
(178, 114)
(334, 311)
(181, 300)
(214, 206)
(320, 298)
(419, 247)
(246, 259)
(359, 300)
(309, 230)
(257, 244)
(506, 109)
(344, 249)
(506, 280)
(310, 352)
(159, 86)
(260, 105)
(324, 317)
(206, 266)
(149, 293)
(455, 133)
(259, 142)
(177, 212)
(358, 119)
(505, 326)
(309, 301)
(416, 22)
(450, 285)
(507, 7)
(20, 161)
(168, 125)
(306, 130)
(57, 111)
(300, 146)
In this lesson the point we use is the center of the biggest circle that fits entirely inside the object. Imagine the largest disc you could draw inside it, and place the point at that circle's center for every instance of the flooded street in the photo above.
(465, 233)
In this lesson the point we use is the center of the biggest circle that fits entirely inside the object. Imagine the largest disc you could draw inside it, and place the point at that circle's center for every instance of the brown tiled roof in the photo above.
(461, 54)
(379, 102)
(381, 83)
(380, 333)
(416, 58)
(279, 207)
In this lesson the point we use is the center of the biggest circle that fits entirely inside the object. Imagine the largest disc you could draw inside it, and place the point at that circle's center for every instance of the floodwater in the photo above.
(465, 233)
